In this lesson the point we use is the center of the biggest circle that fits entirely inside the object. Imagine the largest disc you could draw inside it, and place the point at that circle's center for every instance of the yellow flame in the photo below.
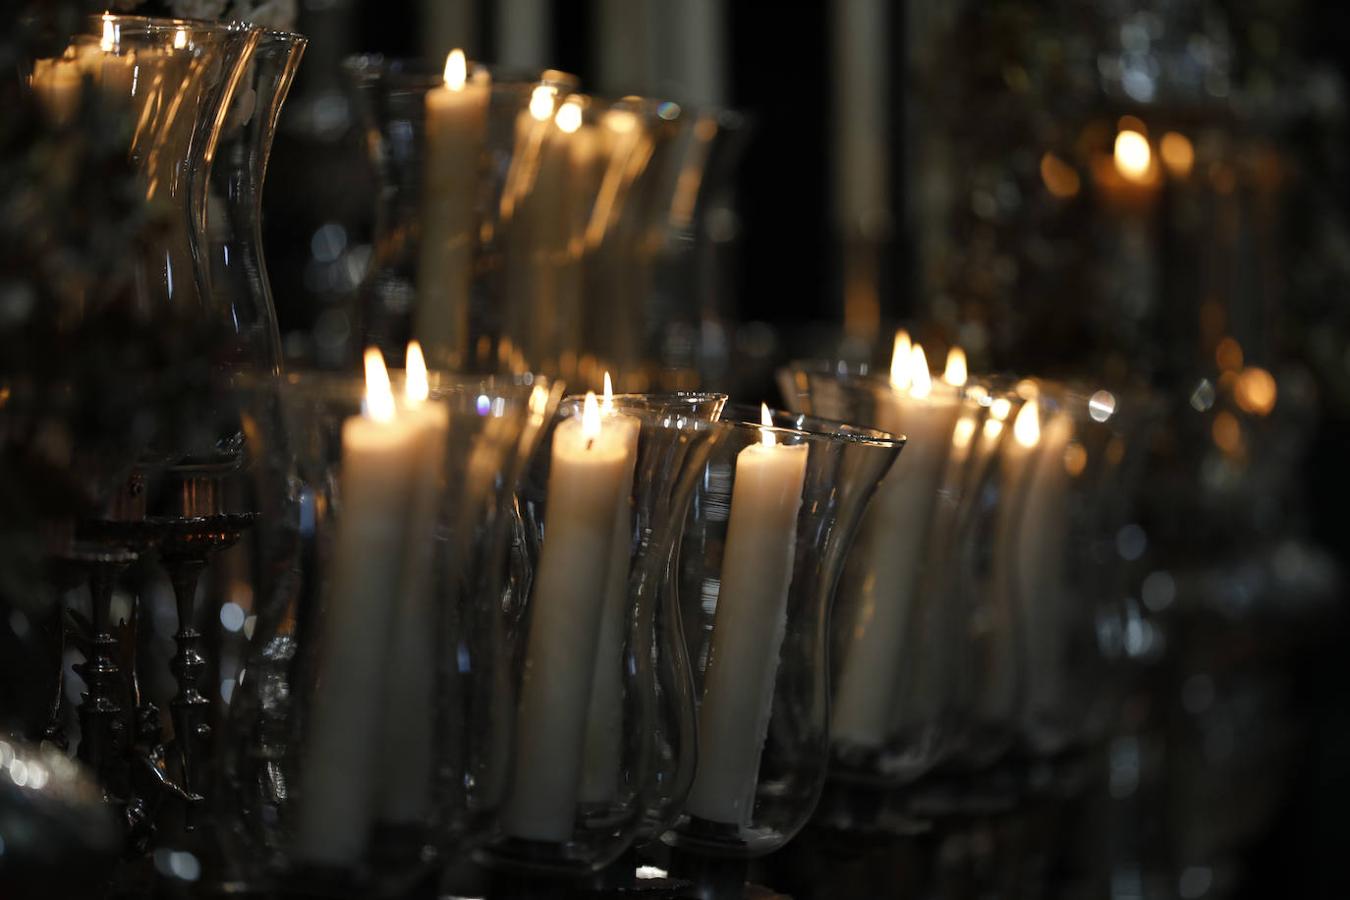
(108, 43)
(1133, 156)
(920, 381)
(180, 39)
(900, 360)
(1027, 427)
(620, 121)
(955, 374)
(964, 432)
(541, 102)
(767, 437)
(590, 417)
(607, 404)
(415, 387)
(456, 70)
(992, 429)
(379, 394)
(1000, 408)
(568, 118)
(1177, 153)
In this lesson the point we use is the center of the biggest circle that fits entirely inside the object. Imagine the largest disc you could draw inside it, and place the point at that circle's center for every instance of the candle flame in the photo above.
(1027, 427)
(963, 432)
(415, 387)
(920, 381)
(1000, 408)
(590, 417)
(379, 395)
(456, 70)
(955, 374)
(1133, 156)
(108, 43)
(607, 403)
(541, 102)
(900, 360)
(568, 118)
(766, 437)
(180, 39)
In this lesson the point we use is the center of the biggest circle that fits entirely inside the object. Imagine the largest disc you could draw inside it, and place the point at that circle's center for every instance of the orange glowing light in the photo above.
(956, 372)
(920, 379)
(1133, 156)
(1027, 426)
(1255, 392)
(456, 70)
(1075, 459)
(379, 404)
(1227, 433)
(568, 118)
(415, 386)
(1177, 153)
(1061, 179)
(900, 360)
(1228, 354)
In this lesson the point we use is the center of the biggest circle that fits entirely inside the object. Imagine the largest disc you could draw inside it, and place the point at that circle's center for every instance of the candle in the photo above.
(604, 720)
(748, 627)
(456, 115)
(591, 460)
(379, 451)
(408, 705)
(892, 541)
(57, 84)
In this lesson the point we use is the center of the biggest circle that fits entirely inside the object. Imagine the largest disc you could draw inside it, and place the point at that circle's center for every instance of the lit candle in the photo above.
(456, 115)
(894, 534)
(57, 84)
(748, 627)
(379, 451)
(604, 720)
(590, 464)
(408, 706)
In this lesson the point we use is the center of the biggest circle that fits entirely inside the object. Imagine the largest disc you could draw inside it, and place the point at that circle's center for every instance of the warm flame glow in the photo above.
(963, 432)
(1256, 391)
(1228, 354)
(766, 436)
(1000, 408)
(620, 121)
(1027, 427)
(920, 380)
(1060, 178)
(456, 70)
(415, 387)
(955, 374)
(569, 117)
(108, 43)
(900, 360)
(180, 39)
(1075, 459)
(541, 102)
(607, 404)
(992, 429)
(379, 395)
(1133, 156)
(1177, 153)
(590, 417)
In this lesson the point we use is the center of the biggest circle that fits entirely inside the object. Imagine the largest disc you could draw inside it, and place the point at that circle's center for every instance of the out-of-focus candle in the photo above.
(405, 761)
(894, 534)
(380, 450)
(604, 720)
(590, 463)
(456, 115)
(748, 627)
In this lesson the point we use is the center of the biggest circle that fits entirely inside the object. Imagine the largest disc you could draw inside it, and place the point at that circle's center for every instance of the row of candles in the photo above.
(568, 720)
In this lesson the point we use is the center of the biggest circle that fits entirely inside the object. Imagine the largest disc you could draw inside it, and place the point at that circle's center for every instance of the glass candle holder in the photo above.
(898, 633)
(360, 741)
(598, 729)
(773, 514)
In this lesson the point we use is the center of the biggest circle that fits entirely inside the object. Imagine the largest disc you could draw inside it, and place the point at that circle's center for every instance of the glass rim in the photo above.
(816, 428)
(157, 23)
(329, 385)
(420, 72)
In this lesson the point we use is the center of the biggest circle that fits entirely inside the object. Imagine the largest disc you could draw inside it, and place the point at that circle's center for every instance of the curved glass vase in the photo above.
(362, 741)
(601, 720)
(234, 213)
(773, 515)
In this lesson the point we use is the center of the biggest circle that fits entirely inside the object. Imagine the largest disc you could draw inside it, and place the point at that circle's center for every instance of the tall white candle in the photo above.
(604, 719)
(408, 706)
(589, 466)
(894, 536)
(338, 780)
(748, 628)
(456, 115)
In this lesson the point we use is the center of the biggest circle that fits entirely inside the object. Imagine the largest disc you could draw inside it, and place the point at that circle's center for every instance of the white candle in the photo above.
(748, 628)
(57, 84)
(894, 536)
(604, 719)
(589, 465)
(338, 779)
(456, 115)
(408, 708)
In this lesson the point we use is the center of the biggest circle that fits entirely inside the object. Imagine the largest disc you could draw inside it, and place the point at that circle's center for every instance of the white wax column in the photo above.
(338, 780)
(57, 84)
(748, 630)
(604, 719)
(895, 533)
(455, 122)
(405, 763)
(584, 482)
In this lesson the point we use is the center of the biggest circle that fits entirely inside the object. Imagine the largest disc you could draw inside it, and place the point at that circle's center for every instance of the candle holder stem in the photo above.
(189, 706)
(103, 728)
